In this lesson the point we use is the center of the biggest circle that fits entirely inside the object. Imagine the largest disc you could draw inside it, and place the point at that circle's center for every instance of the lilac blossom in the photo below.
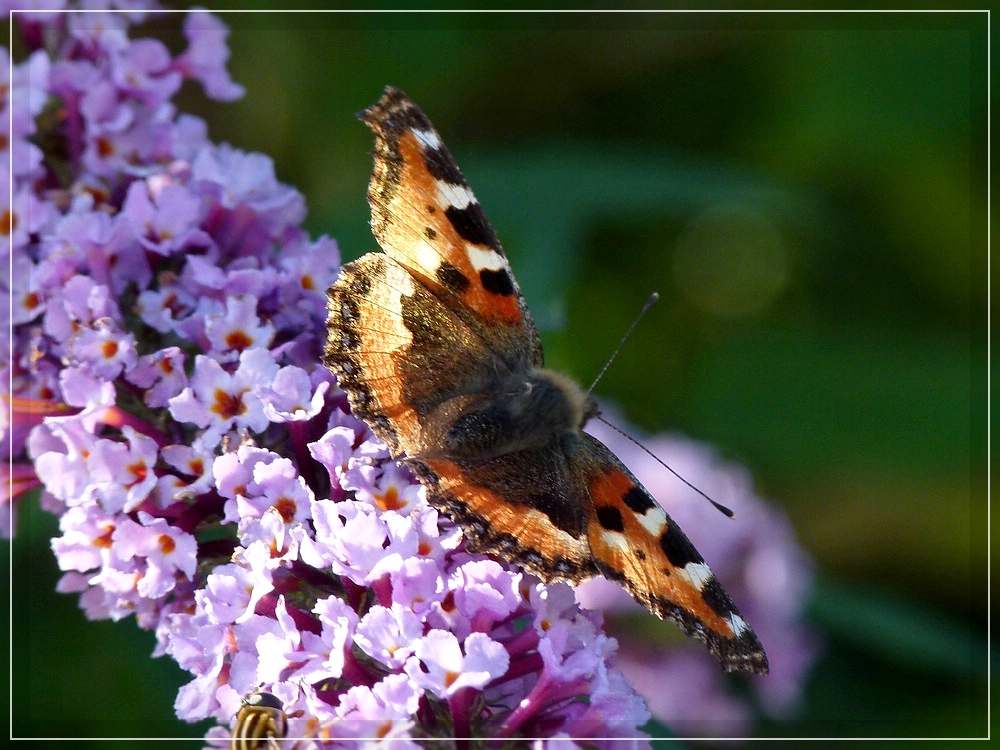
(168, 403)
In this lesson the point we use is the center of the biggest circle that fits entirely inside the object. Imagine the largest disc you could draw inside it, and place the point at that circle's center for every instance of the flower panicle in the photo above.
(207, 473)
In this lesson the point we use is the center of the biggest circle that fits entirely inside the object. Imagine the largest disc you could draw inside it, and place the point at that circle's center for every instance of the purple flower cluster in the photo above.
(167, 316)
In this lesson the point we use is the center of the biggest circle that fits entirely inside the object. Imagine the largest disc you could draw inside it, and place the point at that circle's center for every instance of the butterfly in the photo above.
(435, 347)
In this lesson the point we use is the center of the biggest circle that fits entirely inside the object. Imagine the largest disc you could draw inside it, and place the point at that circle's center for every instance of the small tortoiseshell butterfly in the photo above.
(435, 347)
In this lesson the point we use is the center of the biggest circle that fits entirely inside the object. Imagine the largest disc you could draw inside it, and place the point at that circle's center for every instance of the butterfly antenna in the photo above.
(653, 299)
(718, 506)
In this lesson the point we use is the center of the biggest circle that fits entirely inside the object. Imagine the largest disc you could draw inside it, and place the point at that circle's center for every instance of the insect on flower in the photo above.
(260, 722)
(434, 345)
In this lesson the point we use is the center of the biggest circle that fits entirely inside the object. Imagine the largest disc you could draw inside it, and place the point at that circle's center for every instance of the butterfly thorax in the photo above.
(525, 410)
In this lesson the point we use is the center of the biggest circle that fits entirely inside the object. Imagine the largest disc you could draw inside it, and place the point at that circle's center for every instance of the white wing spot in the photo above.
(399, 284)
(616, 540)
(428, 138)
(698, 574)
(654, 521)
(428, 258)
(483, 260)
(738, 624)
(458, 196)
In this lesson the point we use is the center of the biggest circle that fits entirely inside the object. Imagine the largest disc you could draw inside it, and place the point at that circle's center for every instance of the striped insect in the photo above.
(260, 722)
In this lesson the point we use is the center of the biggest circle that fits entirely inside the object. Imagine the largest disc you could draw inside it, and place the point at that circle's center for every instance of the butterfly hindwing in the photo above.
(400, 353)
(523, 507)
(569, 515)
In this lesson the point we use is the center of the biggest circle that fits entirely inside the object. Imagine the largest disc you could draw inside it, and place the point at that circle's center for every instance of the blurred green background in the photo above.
(807, 192)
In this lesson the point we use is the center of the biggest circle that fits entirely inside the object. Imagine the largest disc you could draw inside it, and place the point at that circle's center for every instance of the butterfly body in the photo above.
(434, 344)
